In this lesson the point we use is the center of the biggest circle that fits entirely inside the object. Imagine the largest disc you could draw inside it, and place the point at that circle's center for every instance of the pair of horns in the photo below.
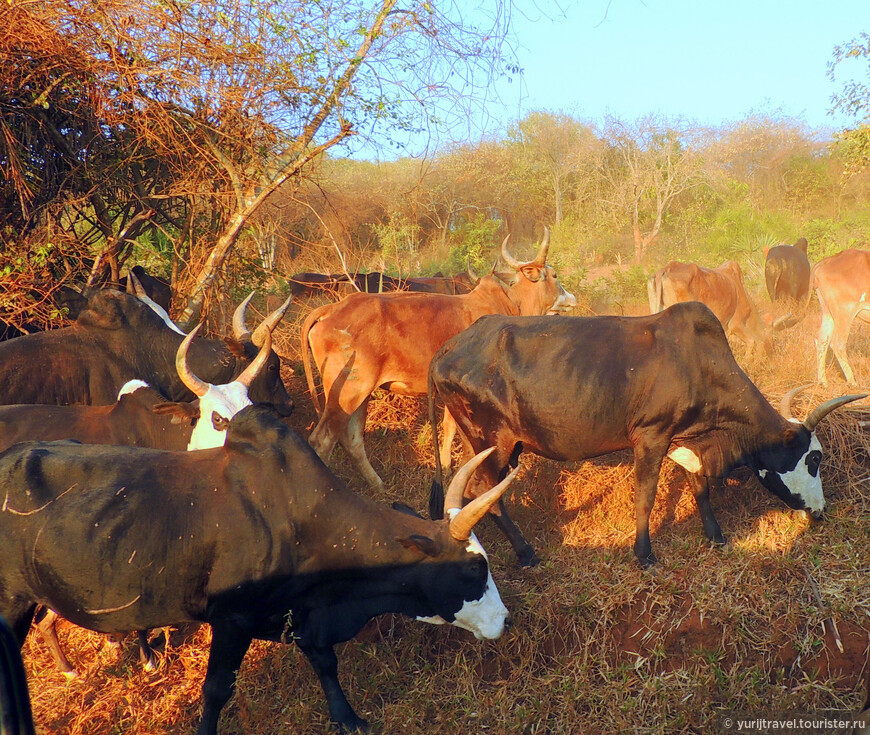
(240, 329)
(466, 519)
(199, 386)
(540, 259)
(820, 411)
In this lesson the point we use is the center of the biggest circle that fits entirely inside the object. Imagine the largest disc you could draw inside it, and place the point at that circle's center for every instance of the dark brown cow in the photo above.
(663, 385)
(721, 289)
(787, 271)
(370, 341)
(842, 283)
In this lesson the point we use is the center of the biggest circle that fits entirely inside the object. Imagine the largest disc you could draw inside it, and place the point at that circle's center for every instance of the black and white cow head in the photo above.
(790, 470)
(458, 587)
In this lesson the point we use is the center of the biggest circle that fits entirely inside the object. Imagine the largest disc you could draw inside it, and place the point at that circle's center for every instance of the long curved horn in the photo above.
(509, 259)
(788, 399)
(541, 258)
(456, 489)
(250, 372)
(819, 412)
(199, 387)
(471, 274)
(240, 329)
(138, 289)
(464, 521)
(270, 322)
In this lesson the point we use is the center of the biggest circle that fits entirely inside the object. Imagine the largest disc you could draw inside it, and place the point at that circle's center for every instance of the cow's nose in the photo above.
(817, 515)
(508, 623)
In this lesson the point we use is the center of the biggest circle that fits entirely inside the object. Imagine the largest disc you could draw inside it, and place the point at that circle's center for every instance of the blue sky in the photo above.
(707, 60)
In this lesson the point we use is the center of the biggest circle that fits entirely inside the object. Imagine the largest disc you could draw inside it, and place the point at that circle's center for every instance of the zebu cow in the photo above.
(370, 341)
(842, 283)
(721, 289)
(118, 338)
(579, 387)
(141, 417)
(262, 539)
(787, 271)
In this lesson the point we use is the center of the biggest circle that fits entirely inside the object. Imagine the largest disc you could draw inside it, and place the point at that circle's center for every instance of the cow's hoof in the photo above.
(719, 541)
(354, 724)
(648, 562)
(70, 675)
(528, 558)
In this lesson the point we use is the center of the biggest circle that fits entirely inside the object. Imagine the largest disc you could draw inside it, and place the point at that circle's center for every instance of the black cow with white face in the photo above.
(118, 338)
(578, 387)
(262, 539)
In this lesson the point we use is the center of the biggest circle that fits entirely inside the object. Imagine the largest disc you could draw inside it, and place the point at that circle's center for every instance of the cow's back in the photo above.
(844, 276)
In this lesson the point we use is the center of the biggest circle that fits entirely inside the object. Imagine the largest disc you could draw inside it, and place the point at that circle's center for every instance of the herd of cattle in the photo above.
(149, 478)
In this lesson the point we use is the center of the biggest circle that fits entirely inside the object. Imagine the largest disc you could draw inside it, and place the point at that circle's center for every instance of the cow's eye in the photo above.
(219, 422)
(814, 459)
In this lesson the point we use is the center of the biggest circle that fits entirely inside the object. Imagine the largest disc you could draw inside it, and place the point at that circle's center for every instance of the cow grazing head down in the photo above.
(791, 470)
(472, 601)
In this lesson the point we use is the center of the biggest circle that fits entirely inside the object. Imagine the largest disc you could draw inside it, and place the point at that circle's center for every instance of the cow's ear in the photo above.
(423, 544)
(180, 412)
(765, 250)
(236, 348)
(532, 272)
(406, 509)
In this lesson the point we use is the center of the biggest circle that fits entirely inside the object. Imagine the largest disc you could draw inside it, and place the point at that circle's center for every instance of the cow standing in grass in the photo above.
(370, 341)
(663, 385)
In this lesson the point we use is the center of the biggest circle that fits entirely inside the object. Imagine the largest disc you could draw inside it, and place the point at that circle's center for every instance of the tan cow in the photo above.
(842, 283)
(369, 341)
(721, 289)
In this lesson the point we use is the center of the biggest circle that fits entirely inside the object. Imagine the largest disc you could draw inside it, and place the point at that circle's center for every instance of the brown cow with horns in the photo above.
(370, 341)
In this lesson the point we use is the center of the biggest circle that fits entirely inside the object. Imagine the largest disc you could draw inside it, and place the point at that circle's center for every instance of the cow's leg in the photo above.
(823, 340)
(838, 345)
(525, 552)
(229, 644)
(19, 618)
(493, 470)
(448, 427)
(325, 665)
(146, 653)
(647, 464)
(701, 491)
(46, 624)
(354, 444)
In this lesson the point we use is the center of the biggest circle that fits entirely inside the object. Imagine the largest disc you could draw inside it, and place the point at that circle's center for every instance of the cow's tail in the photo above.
(309, 322)
(436, 492)
(654, 292)
(789, 320)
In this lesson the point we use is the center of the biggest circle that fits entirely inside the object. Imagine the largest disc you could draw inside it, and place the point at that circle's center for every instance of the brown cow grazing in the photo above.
(370, 341)
(787, 271)
(842, 283)
(721, 289)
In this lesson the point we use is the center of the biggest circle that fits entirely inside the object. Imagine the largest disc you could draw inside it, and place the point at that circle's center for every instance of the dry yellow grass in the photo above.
(598, 646)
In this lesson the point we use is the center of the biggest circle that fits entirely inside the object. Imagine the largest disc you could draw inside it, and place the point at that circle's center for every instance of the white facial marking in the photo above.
(687, 459)
(131, 386)
(225, 400)
(802, 484)
(486, 616)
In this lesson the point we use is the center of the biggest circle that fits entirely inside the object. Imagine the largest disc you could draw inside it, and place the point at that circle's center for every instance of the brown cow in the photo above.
(370, 341)
(842, 283)
(721, 289)
(787, 271)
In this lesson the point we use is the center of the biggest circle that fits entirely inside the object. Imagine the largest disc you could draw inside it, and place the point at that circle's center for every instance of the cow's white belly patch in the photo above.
(687, 459)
